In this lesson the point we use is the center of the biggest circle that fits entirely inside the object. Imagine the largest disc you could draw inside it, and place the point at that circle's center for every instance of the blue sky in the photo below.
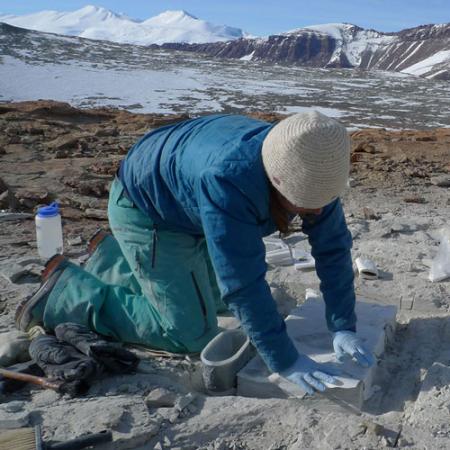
(262, 17)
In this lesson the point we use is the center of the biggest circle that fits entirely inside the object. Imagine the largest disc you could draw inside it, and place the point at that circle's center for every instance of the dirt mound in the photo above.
(405, 157)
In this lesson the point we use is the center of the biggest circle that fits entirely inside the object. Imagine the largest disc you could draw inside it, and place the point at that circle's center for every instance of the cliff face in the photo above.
(423, 51)
(308, 50)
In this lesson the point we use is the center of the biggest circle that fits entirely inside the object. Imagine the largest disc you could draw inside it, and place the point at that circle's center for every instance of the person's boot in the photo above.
(96, 239)
(30, 311)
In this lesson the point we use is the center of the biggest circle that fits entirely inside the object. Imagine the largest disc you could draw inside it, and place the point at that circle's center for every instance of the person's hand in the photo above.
(346, 343)
(310, 375)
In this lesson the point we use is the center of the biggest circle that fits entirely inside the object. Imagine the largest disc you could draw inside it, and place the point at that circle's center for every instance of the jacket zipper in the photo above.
(200, 297)
(154, 240)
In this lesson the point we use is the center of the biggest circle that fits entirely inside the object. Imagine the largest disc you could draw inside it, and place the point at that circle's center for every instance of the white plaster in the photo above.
(307, 327)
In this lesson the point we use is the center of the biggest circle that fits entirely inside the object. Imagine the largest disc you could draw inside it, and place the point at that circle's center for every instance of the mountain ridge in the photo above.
(422, 51)
(94, 22)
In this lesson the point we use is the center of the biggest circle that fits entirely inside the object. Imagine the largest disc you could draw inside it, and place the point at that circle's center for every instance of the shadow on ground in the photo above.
(414, 349)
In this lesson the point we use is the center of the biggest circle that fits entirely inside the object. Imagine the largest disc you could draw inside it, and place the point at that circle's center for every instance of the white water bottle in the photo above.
(49, 231)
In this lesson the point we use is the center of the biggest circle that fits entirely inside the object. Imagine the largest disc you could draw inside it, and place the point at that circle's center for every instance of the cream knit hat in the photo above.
(307, 159)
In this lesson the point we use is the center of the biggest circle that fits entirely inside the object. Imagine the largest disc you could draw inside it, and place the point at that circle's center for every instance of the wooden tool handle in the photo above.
(40, 381)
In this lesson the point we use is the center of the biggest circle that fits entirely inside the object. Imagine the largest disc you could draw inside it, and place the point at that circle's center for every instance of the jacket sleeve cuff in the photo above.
(257, 312)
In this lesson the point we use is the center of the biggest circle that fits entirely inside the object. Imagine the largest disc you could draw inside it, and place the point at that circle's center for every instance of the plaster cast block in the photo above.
(306, 326)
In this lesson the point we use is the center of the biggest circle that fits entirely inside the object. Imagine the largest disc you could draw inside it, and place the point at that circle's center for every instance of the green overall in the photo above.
(143, 285)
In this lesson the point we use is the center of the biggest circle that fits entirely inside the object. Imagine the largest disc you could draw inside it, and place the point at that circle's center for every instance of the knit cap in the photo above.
(307, 159)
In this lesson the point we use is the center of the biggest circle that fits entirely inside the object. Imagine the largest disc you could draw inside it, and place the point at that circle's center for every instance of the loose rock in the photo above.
(6, 216)
(185, 401)
(14, 406)
(160, 398)
(13, 420)
(13, 272)
(29, 199)
(441, 181)
(75, 241)
(99, 214)
(415, 199)
(369, 214)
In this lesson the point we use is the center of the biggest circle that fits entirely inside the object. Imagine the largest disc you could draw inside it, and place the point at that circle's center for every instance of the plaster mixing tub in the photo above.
(223, 358)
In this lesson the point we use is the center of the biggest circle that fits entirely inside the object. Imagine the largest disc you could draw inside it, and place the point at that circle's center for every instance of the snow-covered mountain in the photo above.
(423, 51)
(99, 23)
(351, 42)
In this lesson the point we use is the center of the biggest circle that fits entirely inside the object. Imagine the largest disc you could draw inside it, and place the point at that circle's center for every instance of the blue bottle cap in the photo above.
(51, 210)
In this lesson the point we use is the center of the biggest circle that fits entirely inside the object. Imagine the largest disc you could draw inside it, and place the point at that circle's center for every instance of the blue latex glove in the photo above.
(346, 343)
(310, 375)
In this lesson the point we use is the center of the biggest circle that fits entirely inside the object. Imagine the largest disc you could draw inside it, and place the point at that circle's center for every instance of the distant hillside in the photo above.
(422, 51)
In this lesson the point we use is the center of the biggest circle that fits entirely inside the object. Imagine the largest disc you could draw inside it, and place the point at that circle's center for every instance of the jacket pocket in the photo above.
(123, 200)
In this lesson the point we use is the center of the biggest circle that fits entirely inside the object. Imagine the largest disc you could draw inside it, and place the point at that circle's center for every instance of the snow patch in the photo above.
(406, 57)
(335, 30)
(413, 52)
(428, 64)
(330, 112)
(440, 72)
(248, 57)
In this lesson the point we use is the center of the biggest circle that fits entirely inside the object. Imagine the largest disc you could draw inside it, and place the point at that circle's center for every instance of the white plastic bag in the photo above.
(367, 269)
(440, 266)
(13, 348)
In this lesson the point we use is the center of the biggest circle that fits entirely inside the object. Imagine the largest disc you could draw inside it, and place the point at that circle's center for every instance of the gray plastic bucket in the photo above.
(223, 358)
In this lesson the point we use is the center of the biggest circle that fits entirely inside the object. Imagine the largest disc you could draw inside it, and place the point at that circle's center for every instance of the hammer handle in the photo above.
(40, 381)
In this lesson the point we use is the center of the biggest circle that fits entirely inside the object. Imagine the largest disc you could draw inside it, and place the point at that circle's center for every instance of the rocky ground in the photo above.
(397, 201)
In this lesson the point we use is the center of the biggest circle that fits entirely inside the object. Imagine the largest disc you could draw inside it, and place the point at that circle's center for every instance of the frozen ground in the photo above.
(93, 73)
(394, 209)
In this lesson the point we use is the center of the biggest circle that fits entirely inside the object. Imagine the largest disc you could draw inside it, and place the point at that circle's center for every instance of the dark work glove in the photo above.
(61, 361)
(112, 355)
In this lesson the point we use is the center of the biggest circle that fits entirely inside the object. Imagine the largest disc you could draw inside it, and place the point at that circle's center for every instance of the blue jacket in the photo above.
(206, 177)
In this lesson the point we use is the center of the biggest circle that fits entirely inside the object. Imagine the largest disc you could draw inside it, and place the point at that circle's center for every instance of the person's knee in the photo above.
(197, 345)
